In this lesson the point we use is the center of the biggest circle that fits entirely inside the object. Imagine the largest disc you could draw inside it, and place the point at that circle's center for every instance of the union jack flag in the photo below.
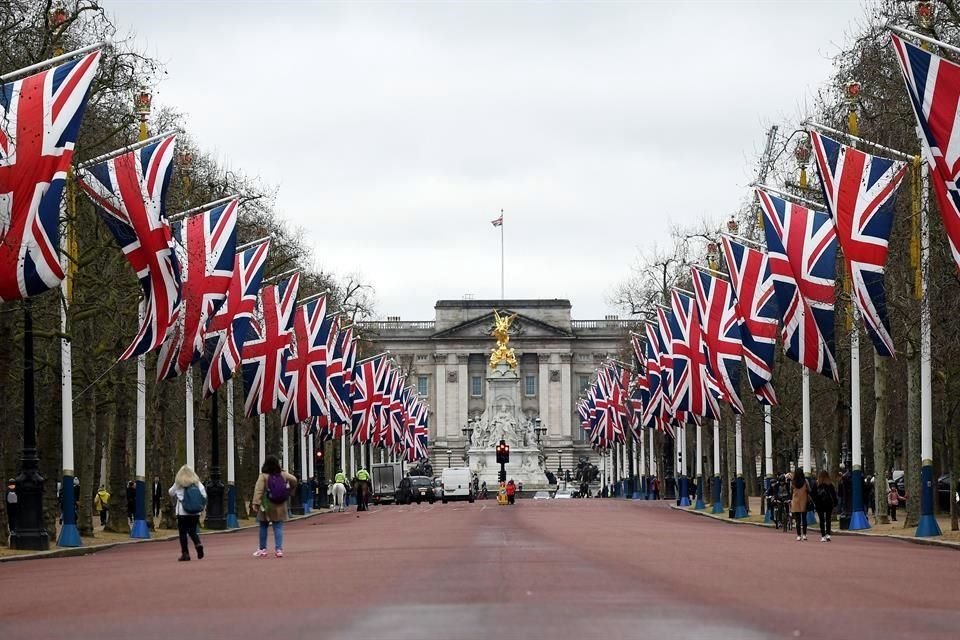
(208, 256)
(339, 403)
(420, 440)
(666, 363)
(757, 306)
(651, 410)
(365, 395)
(266, 349)
(934, 87)
(305, 372)
(639, 396)
(694, 386)
(229, 329)
(860, 190)
(395, 436)
(802, 250)
(129, 192)
(720, 323)
(39, 121)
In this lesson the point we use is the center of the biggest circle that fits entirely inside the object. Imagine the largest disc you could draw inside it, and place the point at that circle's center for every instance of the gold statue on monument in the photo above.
(501, 331)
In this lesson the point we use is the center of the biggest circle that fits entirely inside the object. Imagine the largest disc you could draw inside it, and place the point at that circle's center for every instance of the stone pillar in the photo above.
(463, 379)
(441, 385)
(566, 392)
(543, 389)
(451, 388)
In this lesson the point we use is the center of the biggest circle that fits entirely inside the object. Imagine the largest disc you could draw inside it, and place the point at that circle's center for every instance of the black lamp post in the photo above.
(216, 516)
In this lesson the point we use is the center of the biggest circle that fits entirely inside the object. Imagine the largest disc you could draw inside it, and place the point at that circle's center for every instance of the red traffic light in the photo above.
(319, 454)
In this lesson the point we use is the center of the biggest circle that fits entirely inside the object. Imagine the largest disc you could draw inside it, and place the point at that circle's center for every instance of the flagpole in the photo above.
(768, 453)
(650, 494)
(232, 522)
(642, 468)
(262, 439)
(683, 494)
(311, 468)
(285, 438)
(188, 388)
(740, 510)
(343, 450)
(52, 61)
(699, 467)
(717, 480)
(502, 265)
(69, 534)
(303, 468)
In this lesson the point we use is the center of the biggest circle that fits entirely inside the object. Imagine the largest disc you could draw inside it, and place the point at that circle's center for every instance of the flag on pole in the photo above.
(340, 407)
(497, 221)
(651, 410)
(694, 386)
(129, 192)
(209, 243)
(757, 307)
(365, 405)
(861, 190)
(229, 328)
(40, 119)
(721, 333)
(305, 371)
(802, 249)
(266, 349)
(934, 87)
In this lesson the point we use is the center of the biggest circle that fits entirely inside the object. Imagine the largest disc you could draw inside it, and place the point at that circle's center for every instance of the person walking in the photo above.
(511, 492)
(825, 500)
(131, 501)
(100, 502)
(191, 497)
(893, 500)
(656, 488)
(339, 491)
(798, 503)
(157, 496)
(12, 502)
(274, 486)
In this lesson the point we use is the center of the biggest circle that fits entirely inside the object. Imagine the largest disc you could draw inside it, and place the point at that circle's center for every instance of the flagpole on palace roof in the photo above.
(502, 279)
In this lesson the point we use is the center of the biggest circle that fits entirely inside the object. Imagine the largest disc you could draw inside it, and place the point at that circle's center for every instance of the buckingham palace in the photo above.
(447, 359)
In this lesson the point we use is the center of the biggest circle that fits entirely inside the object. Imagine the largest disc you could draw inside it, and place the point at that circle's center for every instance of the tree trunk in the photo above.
(87, 455)
(119, 473)
(912, 445)
(881, 406)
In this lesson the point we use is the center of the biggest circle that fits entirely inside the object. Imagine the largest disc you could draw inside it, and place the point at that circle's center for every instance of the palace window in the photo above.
(530, 385)
(584, 382)
(423, 385)
(476, 386)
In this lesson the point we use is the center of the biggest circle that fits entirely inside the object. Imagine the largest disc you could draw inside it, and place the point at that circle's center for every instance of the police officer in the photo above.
(363, 489)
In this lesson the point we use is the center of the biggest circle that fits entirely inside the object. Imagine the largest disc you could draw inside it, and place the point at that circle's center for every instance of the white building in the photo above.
(449, 355)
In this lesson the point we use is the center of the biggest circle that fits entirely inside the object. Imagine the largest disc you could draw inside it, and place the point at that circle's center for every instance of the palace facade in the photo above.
(448, 359)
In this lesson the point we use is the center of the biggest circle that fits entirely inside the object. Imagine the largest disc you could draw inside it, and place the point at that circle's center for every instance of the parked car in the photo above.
(437, 488)
(541, 495)
(562, 495)
(943, 493)
(422, 489)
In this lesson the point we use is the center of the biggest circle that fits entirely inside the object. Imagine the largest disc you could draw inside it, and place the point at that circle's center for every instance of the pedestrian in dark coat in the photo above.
(798, 503)
(131, 500)
(825, 500)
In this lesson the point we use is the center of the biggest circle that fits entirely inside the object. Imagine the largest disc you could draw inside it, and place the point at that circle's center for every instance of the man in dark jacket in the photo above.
(157, 496)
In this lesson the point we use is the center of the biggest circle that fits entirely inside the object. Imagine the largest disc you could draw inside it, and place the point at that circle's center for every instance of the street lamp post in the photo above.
(449, 454)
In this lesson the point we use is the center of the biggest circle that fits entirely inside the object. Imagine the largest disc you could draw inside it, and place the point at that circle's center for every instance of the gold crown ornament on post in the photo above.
(501, 331)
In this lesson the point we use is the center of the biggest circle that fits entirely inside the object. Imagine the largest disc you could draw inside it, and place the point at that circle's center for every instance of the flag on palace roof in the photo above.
(756, 305)
(129, 193)
(861, 190)
(802, 250)
(40, 119)
(266, 349)
(230, 327)
(720, 323)
(207, 255)
(933, 84)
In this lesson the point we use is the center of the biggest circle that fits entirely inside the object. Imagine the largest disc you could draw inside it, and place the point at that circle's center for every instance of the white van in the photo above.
(457, 484)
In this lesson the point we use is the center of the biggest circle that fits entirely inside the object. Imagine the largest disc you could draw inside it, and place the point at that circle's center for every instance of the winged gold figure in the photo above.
(501, 331)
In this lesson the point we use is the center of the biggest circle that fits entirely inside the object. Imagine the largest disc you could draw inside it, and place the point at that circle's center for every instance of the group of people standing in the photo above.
(822, 497)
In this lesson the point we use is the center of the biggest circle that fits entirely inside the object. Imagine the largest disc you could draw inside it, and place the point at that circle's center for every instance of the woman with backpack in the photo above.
(825, 500)
(798, 503)
(270, 495)
(191, 499)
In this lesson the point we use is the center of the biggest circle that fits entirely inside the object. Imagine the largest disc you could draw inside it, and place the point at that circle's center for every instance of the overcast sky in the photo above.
(397, 132)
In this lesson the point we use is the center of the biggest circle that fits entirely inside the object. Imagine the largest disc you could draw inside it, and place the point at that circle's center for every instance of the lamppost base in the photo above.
(740, 507)
(232, 522)
(700, 504)
(717, 499)
(30, 534)
(305, 497)
(928, 527)
(140, 530)
(684, 500)
(216, 518)
(69, 536)
(858, 521)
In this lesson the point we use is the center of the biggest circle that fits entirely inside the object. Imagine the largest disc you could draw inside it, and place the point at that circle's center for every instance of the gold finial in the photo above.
(501, 331)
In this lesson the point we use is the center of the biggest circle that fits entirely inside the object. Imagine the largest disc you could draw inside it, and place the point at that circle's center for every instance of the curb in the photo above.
(930, 542)
(69, 552)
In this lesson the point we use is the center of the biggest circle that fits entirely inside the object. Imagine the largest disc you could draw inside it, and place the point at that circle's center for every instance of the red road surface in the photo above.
(541, 569)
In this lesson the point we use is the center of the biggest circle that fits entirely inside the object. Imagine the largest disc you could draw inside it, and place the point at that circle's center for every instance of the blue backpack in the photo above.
(193, 501)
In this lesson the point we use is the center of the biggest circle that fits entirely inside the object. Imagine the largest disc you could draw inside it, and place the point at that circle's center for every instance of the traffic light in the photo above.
(319, 455)
(503, 452)
(502, 475)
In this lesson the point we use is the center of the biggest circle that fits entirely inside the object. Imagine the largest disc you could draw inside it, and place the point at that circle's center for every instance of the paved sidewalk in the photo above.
(950, 539)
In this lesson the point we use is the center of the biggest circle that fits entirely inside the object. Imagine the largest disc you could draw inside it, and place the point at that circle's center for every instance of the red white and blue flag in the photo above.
(266, 349)
(129, 192)
(664, 316)
(639, 396)
(366, 399)
(40, 119)
(757, 306)
(305, 371)
(694, 388)
(208, 255)
(802, 249)
(934, 87)
(339, 401)
(229, 329)
(861, 190)
(652, 408)
(720, 323)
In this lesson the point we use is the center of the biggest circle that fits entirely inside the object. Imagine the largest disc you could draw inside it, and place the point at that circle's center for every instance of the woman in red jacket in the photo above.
(511, 492)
